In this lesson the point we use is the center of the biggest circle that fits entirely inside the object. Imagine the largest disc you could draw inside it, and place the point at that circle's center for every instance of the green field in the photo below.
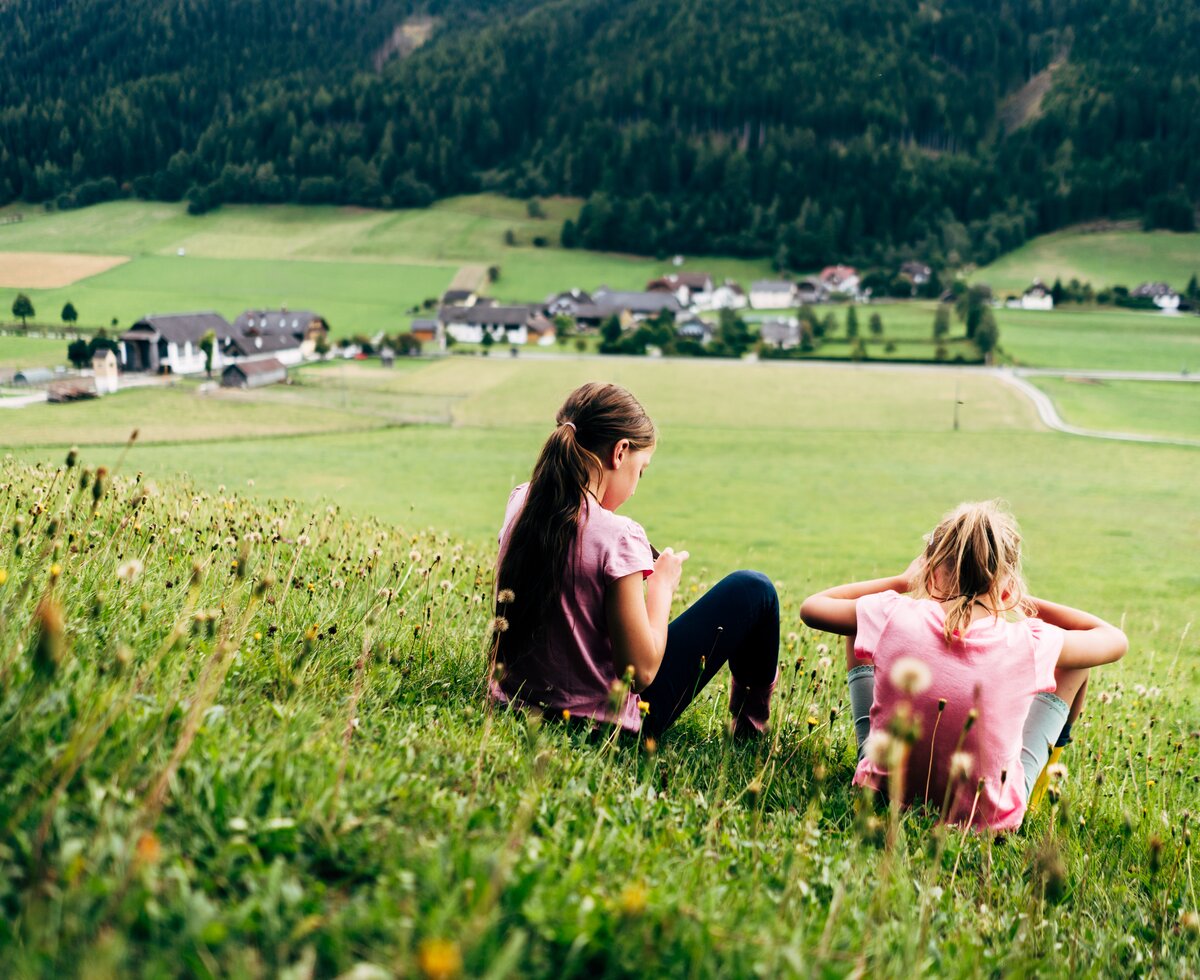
(298, 769)
(363, 270)
(1104, 258)
(1162, 408)
(28, 352)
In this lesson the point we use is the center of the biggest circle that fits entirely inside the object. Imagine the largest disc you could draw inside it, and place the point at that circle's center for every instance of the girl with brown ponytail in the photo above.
(583, 601)
(984, 679)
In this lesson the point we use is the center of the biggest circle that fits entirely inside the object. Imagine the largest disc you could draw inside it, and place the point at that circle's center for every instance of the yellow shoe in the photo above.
(1039, 788)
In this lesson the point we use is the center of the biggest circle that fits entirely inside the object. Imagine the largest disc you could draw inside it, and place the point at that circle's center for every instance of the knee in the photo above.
(758, 588)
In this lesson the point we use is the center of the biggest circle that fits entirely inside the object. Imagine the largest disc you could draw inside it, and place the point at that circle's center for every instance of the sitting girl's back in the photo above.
(965, 685)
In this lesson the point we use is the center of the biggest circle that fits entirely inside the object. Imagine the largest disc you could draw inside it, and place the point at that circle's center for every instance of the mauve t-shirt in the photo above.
(570, 665)
(996, 668)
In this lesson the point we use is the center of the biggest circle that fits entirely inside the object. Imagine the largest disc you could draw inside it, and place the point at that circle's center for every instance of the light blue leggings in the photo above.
(1044, 725)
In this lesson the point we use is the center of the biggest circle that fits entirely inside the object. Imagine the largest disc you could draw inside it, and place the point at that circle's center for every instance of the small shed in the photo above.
(31, 377)
(104, 368)
(253, 374)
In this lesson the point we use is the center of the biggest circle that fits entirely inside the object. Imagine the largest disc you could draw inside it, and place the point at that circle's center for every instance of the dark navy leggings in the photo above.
(737, 620)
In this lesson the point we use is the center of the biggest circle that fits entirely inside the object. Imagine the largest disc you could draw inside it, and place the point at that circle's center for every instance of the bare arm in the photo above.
(836, 610)
(638, 621)
(1089, 642)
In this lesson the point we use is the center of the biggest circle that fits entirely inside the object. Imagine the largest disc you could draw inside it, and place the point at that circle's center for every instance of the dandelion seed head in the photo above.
(879, 748)
(910, 675)
(506, 596)
(130, 571)
(961, 764)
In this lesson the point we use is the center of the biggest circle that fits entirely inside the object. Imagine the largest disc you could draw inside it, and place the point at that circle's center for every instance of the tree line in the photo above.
(859, 130)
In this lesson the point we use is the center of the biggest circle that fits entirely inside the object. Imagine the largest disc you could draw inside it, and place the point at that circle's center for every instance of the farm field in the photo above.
(23, 352)
(1124, 257)
(362, 269)
(1148, 407)
(259, 765)
(805, 432)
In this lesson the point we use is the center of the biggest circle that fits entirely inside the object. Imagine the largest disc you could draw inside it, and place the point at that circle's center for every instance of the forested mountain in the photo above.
(811, 130)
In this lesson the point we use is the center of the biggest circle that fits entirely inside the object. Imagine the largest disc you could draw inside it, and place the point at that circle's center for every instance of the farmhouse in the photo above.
(253, 374)
(690, 288)
(429, 332)
(1037, 297)
(459, 297)
(811, 290)
(170, 343)
(728, 296)
(568, 303)
(1164, 297)
(840, 279)
(505, 324)
(772, 294)
(637, 305)
(693, 328)
(257, 347)
(917, 273)
(309, 329)
(782, 333)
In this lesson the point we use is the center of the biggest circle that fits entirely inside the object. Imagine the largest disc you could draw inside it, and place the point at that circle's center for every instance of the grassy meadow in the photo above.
(364, 270)
(1113, 256)
(245, 733)
(1156, 408)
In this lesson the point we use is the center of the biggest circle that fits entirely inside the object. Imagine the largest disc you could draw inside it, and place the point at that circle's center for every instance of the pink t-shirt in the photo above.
(571, 666)
(996, 668)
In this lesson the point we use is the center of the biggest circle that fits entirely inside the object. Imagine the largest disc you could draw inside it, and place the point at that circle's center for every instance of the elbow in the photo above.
(642, 679)
(1120, 645)
(808, 612)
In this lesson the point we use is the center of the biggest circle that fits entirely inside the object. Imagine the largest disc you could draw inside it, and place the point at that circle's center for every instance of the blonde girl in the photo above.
(583, 602)
(956, 651)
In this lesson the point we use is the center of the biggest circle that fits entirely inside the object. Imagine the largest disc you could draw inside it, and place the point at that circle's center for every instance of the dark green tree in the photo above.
(876, 325)
(1193, 289)
(69, 314)
(22, 308)
(987, 335)
(941, 322)
(971, 305)
(207, 343)
(851, 322)
(79, 353)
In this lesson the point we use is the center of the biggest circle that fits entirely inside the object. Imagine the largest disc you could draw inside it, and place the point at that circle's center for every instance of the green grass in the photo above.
(28, 352)
(1169, 409)
(297, 767)
(1118, 341)
(1119, 257)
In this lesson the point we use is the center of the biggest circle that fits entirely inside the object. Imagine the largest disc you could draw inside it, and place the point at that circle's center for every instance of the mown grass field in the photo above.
(1124, 257)
(364, 270)
(1149, 407)
(24, 352)
(244, 729)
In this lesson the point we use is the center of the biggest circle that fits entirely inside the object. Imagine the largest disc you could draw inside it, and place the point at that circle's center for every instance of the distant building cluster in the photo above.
(466, 317)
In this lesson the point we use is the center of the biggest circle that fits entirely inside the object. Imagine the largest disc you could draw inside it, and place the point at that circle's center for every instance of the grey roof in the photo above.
(267, 366)
(779, 331)
(248, 346)
(573, 295)
(180, 328)
(430, 325)
(635, 302)
(673, 280)
(275, 321)
(1152, 290)
(507, 316)
(453, 295)
(771, 286)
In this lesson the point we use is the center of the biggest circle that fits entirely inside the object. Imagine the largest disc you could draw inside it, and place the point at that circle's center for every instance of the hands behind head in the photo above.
(668, 567)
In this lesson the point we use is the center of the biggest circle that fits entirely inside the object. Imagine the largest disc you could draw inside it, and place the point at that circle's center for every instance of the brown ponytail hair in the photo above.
(529, 581)
(977, 551)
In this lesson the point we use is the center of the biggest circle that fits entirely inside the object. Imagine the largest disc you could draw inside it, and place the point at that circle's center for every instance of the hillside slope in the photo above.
(859, 129)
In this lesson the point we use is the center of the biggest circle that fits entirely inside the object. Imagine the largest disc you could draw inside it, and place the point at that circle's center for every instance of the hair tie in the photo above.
(571, 424)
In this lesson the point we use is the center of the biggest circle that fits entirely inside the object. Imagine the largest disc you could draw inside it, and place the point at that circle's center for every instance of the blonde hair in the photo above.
(974, 555)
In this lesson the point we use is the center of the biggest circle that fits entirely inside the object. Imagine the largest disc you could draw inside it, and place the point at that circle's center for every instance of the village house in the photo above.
(772, 294)
(429, 333)
(690, 288)
(1037, 297)
(691, 327)
(811, 290)
(728, 296)
(505, 324)
(170, 343)
(635, 304)
(308, 329)
(1164, 297)
(780, 332)
(567, 303)
(918, 273)
(257, 347)
(840, 279)
(253, 374)
(459, 297)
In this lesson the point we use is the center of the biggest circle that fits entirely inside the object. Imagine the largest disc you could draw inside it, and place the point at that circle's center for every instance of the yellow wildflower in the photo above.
(439, 959)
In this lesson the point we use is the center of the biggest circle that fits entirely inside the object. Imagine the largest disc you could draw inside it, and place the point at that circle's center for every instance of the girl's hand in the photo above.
(668, 569)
